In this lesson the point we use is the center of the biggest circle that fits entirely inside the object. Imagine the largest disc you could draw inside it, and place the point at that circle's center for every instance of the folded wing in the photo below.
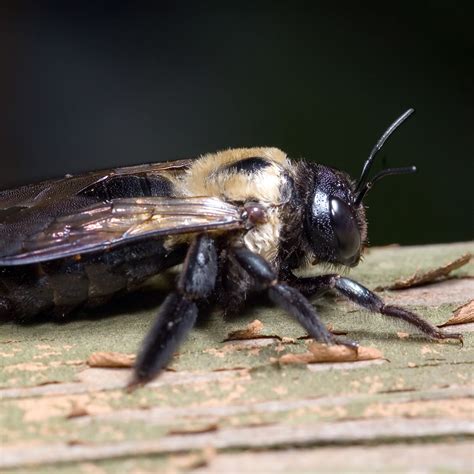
(105, 225)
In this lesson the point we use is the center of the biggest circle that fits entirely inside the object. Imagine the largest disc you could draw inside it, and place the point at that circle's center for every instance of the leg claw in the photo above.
(345, 342)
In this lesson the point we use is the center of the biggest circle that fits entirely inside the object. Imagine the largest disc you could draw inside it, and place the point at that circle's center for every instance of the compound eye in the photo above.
(346, 230)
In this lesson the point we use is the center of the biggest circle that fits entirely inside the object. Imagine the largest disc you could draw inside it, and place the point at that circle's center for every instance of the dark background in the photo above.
(87, 85)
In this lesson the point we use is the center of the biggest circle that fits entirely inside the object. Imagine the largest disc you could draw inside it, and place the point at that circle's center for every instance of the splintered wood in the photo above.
(318, 353)
(427, 277)
(251, 331)
(77, 410)
(462, 315)
(270, 392)
(111, 360)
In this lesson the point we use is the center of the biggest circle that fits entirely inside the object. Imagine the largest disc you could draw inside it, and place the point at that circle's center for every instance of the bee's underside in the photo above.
(241, 220)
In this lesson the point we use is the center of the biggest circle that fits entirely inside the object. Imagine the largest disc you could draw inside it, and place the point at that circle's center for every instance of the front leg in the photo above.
(367, 299)
(286, 297)
(178, 313)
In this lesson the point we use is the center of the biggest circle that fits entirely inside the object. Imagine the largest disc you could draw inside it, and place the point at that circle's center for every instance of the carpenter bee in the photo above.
(240, 221)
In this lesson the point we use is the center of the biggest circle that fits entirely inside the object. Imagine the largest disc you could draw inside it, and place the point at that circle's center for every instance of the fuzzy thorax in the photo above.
(215, 175)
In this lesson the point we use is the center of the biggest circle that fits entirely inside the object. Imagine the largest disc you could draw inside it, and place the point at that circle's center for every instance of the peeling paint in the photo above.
(53, 402)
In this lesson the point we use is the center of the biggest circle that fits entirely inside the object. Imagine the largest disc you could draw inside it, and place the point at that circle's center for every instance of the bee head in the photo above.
(335, 227)
(335, 219)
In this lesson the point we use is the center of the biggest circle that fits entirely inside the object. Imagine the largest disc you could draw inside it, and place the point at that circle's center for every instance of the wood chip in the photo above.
(427, 277)
(230, 369)
(304, 358)
(77, 411)
(189, 462)
(251, 331)
(196, 430)
(77, 442)
(462, 315)
(47, 382)
(194, 460)
(341, 353)
(330, 328)
(111, 360)
(323, 353)
(403, 335)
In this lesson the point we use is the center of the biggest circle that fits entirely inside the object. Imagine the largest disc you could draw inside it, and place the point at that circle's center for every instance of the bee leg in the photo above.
(367, 299)
(178, 313)
(310, 286)
(287, 297)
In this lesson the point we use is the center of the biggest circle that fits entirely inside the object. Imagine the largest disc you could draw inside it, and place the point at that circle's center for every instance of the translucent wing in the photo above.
(63, 189)
(119, 221)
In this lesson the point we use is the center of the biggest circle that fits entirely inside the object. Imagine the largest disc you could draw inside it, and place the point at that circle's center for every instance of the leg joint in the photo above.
(199, 274)
(256, 266)
(358, 294)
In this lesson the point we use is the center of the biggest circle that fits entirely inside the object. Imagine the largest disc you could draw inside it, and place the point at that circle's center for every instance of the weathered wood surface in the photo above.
(230, 406)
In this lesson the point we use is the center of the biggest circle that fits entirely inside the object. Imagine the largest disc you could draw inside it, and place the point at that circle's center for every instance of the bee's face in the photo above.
(335, 227)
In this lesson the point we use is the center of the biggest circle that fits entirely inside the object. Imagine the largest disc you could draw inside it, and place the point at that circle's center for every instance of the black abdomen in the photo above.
(116, 187)
(59, 286)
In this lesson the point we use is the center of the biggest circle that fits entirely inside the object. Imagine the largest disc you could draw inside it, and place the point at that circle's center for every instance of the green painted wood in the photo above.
(226, 399)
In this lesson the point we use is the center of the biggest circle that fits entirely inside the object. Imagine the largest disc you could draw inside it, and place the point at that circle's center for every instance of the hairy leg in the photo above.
(178, 313)
(367, 299)
(286, 297)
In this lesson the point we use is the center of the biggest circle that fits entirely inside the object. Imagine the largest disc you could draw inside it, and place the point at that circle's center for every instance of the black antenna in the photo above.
(383, 173)
(363, 186)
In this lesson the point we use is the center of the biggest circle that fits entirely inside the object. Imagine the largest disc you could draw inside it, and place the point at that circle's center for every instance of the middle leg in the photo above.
(287, 297)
